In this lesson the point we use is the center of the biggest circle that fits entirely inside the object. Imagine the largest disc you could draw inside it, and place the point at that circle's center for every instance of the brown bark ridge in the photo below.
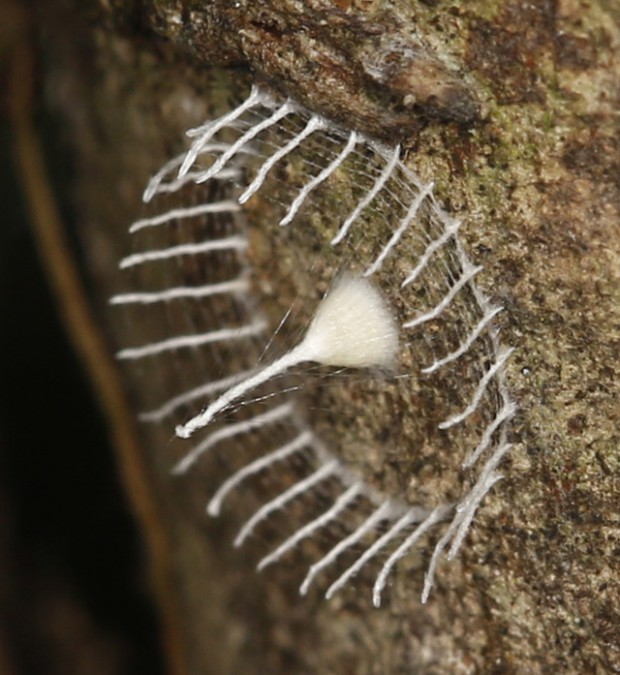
(512, 110)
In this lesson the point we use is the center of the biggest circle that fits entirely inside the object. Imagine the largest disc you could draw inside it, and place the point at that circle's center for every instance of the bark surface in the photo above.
(521, 135)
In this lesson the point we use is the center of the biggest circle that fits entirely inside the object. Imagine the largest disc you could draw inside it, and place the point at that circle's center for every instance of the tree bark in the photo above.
(522, 143)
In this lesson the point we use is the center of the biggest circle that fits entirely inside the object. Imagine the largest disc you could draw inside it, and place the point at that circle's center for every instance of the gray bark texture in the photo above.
(520, 133)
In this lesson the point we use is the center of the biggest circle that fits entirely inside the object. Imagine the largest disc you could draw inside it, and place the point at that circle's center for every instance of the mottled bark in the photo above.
(530, 161)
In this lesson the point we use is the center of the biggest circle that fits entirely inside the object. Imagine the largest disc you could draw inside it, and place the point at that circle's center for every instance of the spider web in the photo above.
(340, 202)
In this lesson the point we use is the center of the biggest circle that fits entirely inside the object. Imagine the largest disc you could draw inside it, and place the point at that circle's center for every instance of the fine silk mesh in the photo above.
(315, 444)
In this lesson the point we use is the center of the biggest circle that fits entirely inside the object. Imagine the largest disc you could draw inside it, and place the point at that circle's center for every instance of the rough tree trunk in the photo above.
(531, 164)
